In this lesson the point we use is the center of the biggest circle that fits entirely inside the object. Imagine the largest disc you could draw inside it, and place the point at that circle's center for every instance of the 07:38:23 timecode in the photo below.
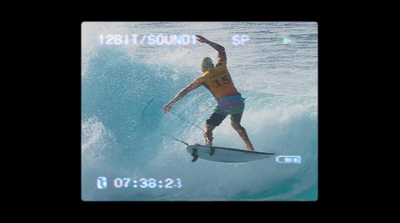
(147, 183)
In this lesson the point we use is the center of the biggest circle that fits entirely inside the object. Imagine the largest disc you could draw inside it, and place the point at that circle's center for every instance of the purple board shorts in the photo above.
(229, 105)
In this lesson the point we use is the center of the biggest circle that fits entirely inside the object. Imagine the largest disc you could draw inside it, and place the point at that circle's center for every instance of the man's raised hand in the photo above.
(201, 39)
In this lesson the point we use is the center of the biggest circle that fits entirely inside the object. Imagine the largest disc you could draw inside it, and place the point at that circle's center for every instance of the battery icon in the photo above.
(102, 182)
(288, 159)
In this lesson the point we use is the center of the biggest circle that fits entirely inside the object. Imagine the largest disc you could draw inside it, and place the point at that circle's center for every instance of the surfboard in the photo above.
(225, 155)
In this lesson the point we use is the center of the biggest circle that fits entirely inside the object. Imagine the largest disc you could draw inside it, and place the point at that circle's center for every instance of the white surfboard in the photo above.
(225, 155)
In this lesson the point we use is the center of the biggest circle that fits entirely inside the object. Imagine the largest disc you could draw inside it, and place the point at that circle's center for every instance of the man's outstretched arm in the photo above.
(195, 84)
(216, 46)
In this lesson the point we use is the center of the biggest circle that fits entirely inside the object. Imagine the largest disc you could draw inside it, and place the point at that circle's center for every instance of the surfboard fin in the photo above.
(195, 155)
(212, 151)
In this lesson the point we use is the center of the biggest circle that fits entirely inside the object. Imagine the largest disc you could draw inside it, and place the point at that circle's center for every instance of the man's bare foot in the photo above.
(208, 140)
(250, 148)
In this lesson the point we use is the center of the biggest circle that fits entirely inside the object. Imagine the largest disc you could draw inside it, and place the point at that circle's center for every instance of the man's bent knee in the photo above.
(236, 126)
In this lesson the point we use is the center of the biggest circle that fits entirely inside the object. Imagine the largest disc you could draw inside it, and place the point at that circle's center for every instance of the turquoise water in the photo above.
(123, 135)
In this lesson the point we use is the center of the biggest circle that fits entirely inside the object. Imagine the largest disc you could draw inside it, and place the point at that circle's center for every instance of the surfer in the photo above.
(219, 82)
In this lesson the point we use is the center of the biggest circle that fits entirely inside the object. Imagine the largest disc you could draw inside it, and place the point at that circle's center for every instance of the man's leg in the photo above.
(214, 121)
(243, 134)
(208, 134)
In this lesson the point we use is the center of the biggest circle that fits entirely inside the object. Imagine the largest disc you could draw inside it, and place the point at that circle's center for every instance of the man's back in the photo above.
(218, 81)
